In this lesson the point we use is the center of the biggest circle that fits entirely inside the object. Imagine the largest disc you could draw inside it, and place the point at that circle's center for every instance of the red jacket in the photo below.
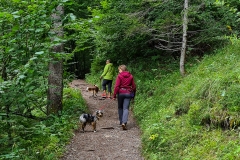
(124, 84)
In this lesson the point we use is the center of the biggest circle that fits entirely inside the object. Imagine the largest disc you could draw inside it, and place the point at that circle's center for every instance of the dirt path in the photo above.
(110, 142)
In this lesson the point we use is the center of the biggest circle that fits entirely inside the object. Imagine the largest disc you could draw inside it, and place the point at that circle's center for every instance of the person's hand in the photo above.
(114, 98)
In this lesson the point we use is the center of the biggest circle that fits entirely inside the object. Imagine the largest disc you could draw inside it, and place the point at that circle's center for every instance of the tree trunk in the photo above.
(55, 78)
(184, 40)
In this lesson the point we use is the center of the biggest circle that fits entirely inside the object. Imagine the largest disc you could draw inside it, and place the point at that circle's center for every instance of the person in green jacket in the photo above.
(107, 76)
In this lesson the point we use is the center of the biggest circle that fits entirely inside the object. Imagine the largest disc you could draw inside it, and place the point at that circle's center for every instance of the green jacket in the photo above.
(108, 72)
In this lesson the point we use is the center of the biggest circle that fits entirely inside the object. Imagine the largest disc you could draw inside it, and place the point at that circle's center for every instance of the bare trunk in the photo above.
(55, 88)
(55, 79)
(184, 41)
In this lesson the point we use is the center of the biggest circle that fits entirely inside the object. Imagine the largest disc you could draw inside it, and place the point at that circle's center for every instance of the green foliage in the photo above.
(73, 102)
(80, 42)
(146, 36)
(25, 53)
(97, 65)
(197, 113)
(25, 48)
(32, 139)
(127, 30)
(195, 117)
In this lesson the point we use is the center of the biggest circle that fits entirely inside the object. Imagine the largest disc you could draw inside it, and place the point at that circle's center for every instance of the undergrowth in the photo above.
(196, 116)
(45, 139)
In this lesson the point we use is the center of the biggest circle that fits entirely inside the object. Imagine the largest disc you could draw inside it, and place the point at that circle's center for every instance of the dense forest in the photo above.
(184, 55)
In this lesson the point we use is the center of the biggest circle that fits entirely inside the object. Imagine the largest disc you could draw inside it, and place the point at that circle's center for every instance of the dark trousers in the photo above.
(123, 106)
(108, 83)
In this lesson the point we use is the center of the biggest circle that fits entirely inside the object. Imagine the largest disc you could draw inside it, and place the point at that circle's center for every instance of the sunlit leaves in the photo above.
(24, 47)
(72, 16)
(105, 4)
(39, 53)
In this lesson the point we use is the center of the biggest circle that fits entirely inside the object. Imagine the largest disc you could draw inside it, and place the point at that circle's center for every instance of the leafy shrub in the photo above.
(46, 139)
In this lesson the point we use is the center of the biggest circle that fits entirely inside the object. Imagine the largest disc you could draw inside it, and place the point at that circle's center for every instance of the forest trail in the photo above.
(110, 142)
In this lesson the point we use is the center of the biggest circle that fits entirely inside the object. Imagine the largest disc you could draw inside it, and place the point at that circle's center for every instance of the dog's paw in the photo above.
(94, 131)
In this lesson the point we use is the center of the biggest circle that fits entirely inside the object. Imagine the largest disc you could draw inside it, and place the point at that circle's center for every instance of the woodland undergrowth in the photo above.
(43, 139)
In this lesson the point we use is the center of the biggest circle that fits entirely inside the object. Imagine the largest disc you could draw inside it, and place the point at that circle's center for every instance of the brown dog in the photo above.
(94, 89)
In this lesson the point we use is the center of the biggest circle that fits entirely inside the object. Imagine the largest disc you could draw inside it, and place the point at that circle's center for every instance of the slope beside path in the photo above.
(110, 142)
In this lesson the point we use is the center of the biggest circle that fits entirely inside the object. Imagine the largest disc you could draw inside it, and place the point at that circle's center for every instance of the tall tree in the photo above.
(55, 79)
(184, 40)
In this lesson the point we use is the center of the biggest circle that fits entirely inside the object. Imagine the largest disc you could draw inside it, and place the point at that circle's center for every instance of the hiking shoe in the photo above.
(104, 95)
(124, 127)
(122, 123)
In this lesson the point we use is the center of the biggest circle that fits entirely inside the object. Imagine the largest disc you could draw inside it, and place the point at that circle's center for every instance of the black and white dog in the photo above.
(90, 119)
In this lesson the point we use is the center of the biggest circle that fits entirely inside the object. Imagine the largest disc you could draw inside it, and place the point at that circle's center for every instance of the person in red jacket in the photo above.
(124, 90)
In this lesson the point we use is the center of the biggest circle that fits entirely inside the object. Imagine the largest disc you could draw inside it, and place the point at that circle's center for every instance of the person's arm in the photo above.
(116, 87)
(104, 71)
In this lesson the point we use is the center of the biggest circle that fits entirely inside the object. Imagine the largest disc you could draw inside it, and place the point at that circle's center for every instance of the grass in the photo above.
(190, 117)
